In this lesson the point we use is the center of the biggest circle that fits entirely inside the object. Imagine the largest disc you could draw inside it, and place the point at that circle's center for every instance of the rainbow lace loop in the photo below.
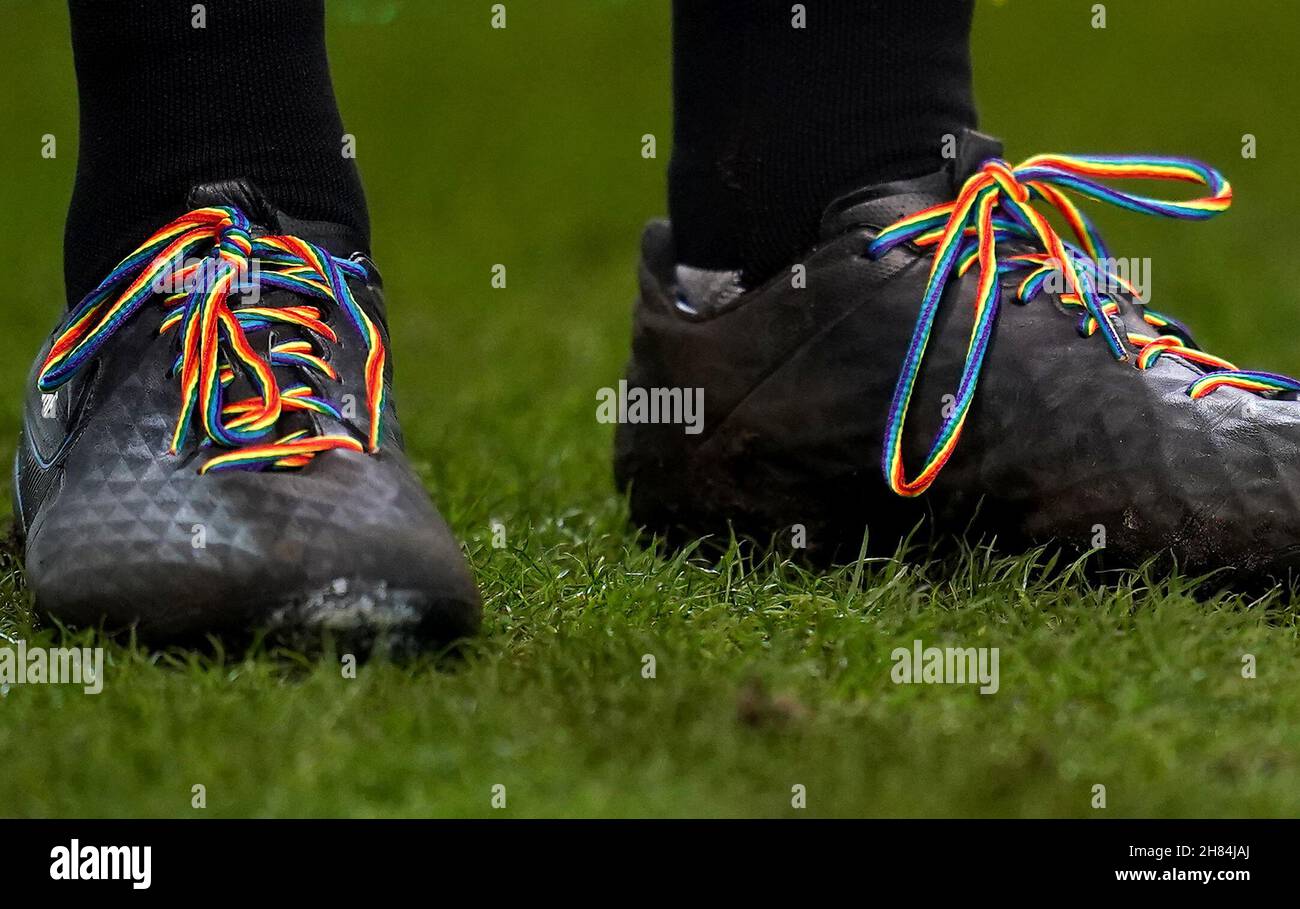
(214, 336)
(995, 205)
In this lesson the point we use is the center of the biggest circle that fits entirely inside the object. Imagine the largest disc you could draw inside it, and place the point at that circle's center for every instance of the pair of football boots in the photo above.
(210, 443)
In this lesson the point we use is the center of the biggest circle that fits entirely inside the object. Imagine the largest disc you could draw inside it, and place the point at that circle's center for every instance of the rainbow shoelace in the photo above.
(995, 205)
(212, 252)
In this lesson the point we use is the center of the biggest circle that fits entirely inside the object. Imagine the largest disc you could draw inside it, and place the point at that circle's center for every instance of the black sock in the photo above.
(165, 105)
(772, 122)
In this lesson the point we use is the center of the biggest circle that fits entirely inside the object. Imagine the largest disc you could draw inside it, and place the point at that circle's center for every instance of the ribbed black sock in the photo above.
(772, 122)
(166, 105)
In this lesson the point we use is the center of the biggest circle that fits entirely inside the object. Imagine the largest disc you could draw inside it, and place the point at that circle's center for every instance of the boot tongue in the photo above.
(881, 205)
(237, 193)
(243, 194)
(973, 149)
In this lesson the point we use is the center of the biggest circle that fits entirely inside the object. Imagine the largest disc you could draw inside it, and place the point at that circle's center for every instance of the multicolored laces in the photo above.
(212, 255)
(996, 205)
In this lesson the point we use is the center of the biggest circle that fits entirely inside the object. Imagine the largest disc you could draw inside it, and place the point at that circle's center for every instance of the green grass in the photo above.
(523, 147)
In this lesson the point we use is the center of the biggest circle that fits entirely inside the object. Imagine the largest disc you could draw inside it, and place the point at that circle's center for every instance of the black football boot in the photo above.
(301, 522)
(1096, 423)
